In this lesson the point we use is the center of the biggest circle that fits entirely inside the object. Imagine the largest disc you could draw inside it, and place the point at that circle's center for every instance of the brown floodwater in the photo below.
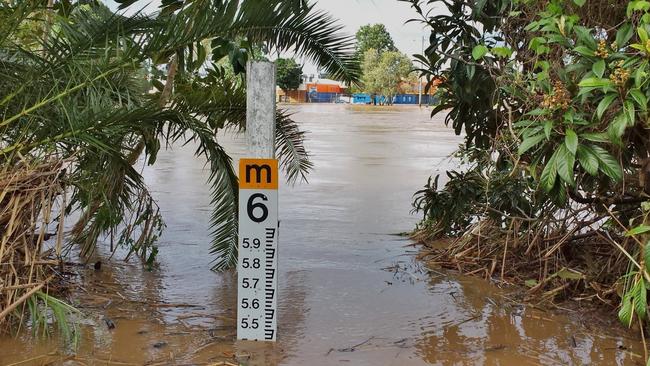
(351, 292)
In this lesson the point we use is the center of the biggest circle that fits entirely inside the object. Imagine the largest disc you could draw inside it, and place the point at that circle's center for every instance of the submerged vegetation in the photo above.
(552, 97)
(87, 94)
(27, 193)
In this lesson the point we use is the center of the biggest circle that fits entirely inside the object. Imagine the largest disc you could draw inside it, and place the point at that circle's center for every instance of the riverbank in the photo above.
(584, 270)
(438, 253)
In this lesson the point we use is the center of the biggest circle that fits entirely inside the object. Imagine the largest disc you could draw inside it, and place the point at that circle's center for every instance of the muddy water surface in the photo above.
(350, 291)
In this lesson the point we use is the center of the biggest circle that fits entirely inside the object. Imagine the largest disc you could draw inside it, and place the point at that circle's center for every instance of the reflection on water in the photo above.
(349, 290)
(492, 331)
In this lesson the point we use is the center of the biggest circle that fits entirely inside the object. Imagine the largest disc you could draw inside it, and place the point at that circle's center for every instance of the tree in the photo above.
(84, 99)
(553, 100)
(289, 74)
(383, 73)
(374, 36)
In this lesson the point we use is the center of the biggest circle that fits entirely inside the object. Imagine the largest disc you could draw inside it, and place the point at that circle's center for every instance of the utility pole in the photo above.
(257, 267)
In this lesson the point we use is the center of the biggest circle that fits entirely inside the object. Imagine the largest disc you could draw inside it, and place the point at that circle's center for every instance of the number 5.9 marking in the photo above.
(246, 243)
(251, 206)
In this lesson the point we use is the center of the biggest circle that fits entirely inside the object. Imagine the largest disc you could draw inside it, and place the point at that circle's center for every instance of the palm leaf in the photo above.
(82, 95)
(290, 148)
(313, 34)
(224, 219)
(223, 183)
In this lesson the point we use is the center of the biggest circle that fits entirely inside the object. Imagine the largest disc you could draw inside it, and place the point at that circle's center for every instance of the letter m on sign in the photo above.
(258, 170)
(258, 174)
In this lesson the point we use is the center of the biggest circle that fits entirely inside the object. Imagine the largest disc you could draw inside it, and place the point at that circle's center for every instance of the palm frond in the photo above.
(281, 25)
(223, 182)
(219, 98)
(313, 34)
(83, 95)
(290, 148)
(225, 200)
(221, 102)
(12, 16)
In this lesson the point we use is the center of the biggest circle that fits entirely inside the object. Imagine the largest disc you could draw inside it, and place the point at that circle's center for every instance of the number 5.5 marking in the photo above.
(253, 323)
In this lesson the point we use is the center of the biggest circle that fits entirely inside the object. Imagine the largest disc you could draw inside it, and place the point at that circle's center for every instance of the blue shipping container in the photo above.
(413, 99)
(316, 97)
(361, 98)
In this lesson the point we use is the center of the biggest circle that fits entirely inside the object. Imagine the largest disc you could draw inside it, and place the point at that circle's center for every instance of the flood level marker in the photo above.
(257, 267)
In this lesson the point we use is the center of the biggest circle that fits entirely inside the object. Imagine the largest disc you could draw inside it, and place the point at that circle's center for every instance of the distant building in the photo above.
(324, 90)
(315, 90)
(291, 96)
(318, 90)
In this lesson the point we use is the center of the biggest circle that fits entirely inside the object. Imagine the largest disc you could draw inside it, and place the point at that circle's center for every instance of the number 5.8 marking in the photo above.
(246, 263)
(251, 206)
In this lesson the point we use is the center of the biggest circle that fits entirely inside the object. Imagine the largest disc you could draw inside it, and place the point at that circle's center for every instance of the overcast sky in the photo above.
(355, 13)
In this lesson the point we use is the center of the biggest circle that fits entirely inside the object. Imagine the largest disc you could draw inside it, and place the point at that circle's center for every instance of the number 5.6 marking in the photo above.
(246, 303)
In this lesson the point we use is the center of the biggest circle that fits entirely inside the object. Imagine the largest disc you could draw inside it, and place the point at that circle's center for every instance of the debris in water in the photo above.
(109, 323)
(350, 349)
(497, 347)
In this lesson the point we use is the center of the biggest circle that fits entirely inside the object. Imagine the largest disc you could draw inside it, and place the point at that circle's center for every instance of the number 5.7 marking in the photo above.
(250, 282)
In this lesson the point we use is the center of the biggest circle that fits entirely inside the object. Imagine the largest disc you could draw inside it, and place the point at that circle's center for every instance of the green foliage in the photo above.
(458, 57)
(375, 37)
(45, 309)
(383, 73)
(289, 74)
(479, 51)
(634, 301)
(475, 194)
(95, 93)
(557, 92)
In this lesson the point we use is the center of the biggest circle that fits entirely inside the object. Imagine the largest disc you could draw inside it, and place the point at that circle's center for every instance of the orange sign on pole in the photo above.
(258, 174)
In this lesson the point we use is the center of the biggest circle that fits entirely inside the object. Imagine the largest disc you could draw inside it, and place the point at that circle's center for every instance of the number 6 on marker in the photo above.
(251, 206)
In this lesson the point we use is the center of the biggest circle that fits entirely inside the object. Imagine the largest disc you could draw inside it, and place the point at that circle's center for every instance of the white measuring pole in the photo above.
(257, 268)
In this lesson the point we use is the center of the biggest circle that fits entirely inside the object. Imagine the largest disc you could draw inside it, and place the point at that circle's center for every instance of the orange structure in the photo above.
(325, 88)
